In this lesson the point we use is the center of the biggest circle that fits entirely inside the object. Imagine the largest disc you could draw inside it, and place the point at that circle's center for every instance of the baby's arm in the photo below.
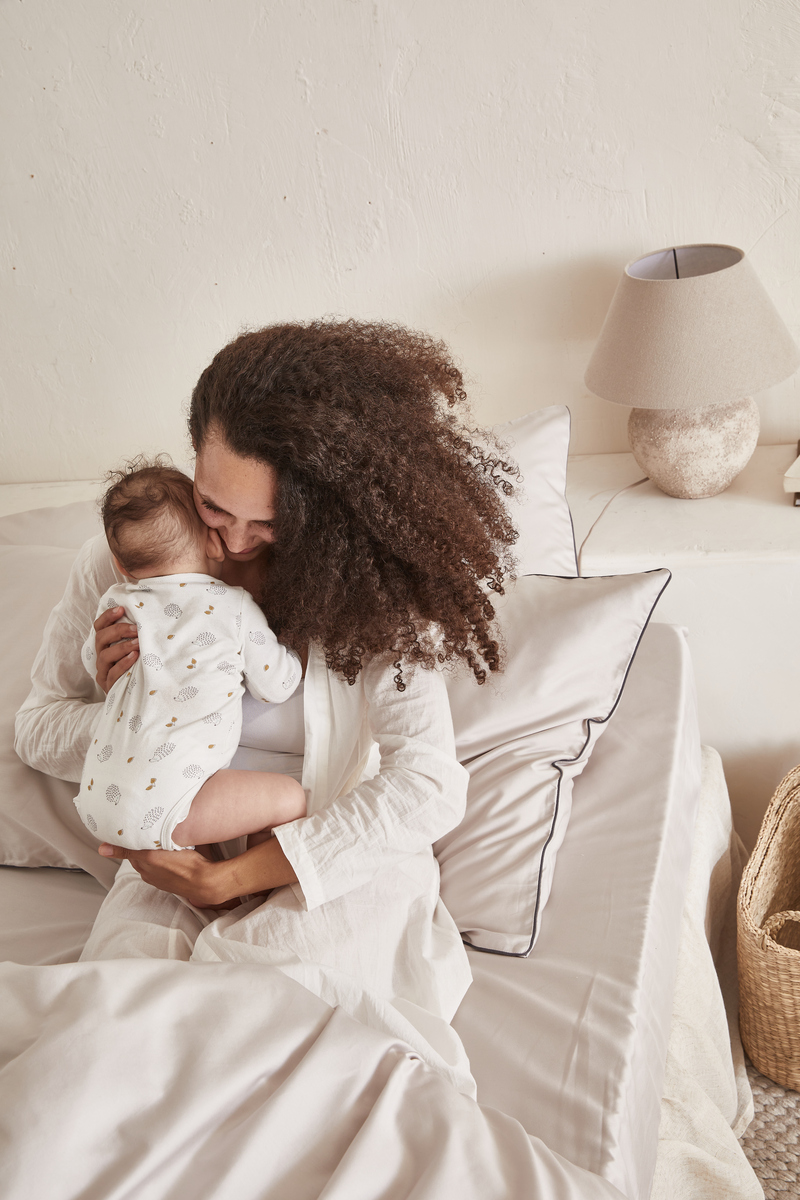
(272, 671)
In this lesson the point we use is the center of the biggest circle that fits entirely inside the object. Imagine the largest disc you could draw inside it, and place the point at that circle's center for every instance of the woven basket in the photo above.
(769, 941)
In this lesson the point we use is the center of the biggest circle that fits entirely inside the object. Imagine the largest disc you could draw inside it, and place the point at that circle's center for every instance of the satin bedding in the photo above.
(569, 1045)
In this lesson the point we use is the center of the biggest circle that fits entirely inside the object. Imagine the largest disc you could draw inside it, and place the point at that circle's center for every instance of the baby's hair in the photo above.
(149, 513)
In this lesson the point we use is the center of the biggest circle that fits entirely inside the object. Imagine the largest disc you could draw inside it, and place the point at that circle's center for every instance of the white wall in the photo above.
(480, 168)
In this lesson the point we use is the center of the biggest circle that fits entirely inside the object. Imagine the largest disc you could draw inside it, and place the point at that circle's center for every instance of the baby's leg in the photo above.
(233, 803)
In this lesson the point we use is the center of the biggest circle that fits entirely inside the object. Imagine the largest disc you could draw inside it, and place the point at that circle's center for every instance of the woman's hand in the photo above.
(185, 873)
(209, 884)
(116, 647)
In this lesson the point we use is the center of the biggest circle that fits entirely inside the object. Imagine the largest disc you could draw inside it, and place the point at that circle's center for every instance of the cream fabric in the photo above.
(526, 735)
(707, 1101)
(65, 525)
(278, 728)
(539, 444)
(46, 914)
(56, 724)
(539, 1029)
(39, 826)
(234, 1083)
(572, 1040)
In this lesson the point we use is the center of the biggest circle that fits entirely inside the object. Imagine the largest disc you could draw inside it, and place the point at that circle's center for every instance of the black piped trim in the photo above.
(558, 761)
(566, 501)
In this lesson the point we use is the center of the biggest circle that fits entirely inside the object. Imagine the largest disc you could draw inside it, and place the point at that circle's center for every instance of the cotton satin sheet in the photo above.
(294, 1096)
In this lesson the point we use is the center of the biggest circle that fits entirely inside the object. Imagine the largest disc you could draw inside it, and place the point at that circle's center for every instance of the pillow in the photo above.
(39, 826)
(539, 443)
(68, 525)
(525, 736)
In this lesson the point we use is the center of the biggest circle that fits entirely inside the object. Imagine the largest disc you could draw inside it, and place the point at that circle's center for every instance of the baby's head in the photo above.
(152, 525)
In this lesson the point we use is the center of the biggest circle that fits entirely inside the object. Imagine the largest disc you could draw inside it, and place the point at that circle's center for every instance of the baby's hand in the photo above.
(116, 646)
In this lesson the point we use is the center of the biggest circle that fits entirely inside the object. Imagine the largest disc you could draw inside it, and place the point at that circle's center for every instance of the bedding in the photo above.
(526, 736)
(590, 960)
(39, 826)
(572, 1040)
(67, 526)
(539, 443)
(296, 1100)
(363, 1112)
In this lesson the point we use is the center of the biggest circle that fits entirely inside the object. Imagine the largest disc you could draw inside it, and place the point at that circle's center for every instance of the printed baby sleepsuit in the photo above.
(175, 718)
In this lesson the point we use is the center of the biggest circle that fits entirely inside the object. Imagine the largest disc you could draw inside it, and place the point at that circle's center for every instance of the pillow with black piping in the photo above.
(525, 735)
(539, 444)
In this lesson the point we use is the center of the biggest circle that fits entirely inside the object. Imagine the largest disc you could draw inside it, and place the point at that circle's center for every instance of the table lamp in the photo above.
(690, 334)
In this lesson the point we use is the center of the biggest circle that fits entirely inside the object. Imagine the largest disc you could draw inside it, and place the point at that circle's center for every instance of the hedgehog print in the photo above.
(163, 751)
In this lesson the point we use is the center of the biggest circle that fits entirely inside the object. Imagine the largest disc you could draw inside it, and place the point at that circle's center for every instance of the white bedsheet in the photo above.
(116, 1082)
(46, 914)
(574, 1047)
(573, 1040)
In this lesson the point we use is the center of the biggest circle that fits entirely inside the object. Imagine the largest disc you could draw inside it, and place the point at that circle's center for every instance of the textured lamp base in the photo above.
(694, 453)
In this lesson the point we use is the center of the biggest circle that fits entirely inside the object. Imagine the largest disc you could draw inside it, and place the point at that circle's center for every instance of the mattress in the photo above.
(571, 1041)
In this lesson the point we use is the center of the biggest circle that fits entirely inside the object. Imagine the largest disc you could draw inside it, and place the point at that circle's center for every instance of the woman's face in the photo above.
(237, 497)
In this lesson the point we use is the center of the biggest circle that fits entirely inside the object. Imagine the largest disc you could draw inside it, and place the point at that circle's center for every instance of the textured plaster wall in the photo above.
(178, 169)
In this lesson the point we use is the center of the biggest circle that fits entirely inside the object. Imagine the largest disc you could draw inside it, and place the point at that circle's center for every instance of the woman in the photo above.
(371, 530)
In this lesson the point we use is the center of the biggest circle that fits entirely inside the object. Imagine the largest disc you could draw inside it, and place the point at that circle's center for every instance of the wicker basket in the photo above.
(769, 941)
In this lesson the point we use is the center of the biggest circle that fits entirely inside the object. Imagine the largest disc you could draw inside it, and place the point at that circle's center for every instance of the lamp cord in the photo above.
(636, 483)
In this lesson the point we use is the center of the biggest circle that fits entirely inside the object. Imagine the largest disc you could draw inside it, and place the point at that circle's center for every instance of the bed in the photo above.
(606, 1056)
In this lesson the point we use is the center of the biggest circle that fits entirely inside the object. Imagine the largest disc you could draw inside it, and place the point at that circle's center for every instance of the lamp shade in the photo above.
(688, 327)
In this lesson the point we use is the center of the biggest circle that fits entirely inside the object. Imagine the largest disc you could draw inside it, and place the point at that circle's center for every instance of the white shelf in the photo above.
(735, 560)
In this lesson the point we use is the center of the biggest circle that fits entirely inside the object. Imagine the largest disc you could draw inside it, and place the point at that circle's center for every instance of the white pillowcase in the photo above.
(526, 735)
(39, 826)
(539, 443)
(68, 525)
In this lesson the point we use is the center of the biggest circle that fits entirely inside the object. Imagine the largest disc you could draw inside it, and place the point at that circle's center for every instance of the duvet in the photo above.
(167, 1080)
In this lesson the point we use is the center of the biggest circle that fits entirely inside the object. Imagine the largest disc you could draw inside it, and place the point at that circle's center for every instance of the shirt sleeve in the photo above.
(271, 671)
(418, 795)
(55, 725)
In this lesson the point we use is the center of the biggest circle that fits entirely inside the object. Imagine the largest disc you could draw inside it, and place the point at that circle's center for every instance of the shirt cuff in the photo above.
(307, 888)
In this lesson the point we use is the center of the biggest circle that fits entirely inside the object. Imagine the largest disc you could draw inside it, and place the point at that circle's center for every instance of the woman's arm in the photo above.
(55, 725)
(419, 794)
(417, 797)
(208, 884)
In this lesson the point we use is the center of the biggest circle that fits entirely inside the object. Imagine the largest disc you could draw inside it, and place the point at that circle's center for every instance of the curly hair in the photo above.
(392, 531)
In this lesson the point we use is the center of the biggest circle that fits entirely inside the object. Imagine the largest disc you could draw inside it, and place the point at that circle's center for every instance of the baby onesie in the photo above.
(176, 716)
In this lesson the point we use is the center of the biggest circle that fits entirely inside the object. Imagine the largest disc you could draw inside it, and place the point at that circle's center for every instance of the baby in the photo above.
(152, 778)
